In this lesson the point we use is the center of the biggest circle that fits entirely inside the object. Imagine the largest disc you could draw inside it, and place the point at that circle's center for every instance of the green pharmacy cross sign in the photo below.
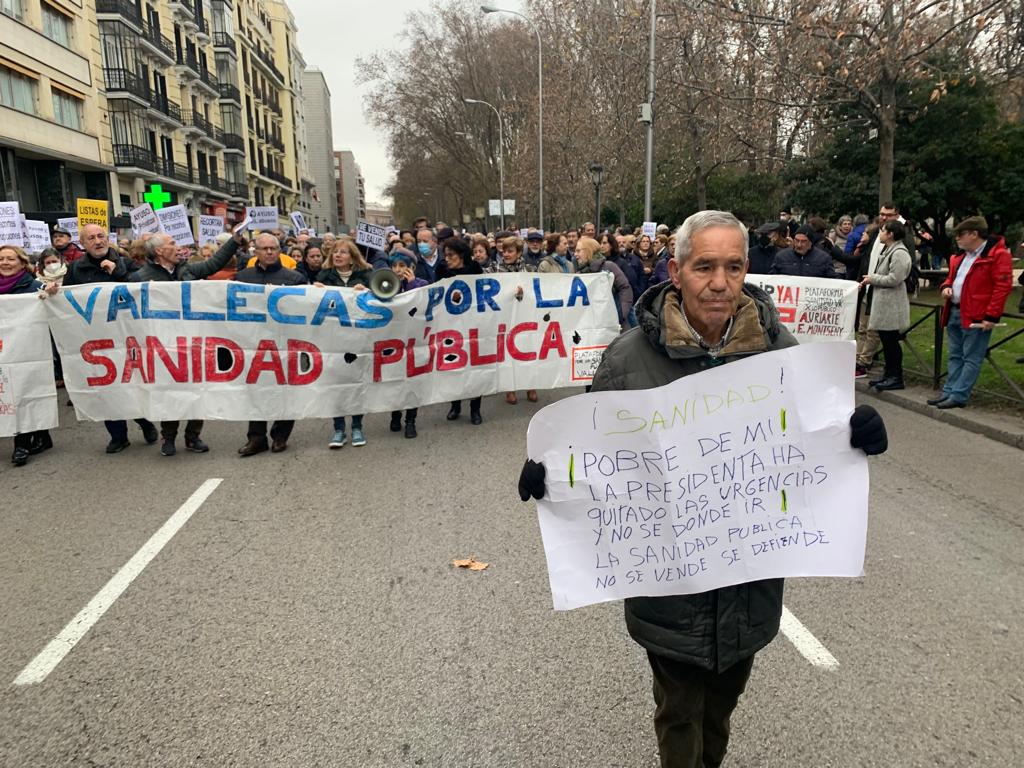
(156, 196)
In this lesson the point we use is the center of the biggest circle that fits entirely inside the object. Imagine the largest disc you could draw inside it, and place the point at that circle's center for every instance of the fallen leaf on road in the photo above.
(471, 563)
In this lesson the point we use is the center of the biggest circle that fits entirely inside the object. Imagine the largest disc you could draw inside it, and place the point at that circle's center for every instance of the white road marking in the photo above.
(43, 664)
(808, 645)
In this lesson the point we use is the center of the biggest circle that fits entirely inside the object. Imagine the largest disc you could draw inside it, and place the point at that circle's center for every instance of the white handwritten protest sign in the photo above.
(70, 225)
(209, 228)
(298, 221)
(144, 219)
(263, 217)
(28, 397)
(10, 225)
(740, 473)
(226, 350)
(650, 228)
(175, 222)
(37, 235)
(370, 235)
(812, 308)
(244, 224)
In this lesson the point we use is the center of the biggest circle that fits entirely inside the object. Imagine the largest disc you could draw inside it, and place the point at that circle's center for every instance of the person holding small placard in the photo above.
(701, 646)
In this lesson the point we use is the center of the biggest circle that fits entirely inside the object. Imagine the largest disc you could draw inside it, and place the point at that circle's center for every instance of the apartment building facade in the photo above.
(317, 99)
(350, 188)
(55, 143)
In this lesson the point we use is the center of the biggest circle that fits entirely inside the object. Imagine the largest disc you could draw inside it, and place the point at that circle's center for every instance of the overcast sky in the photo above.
(331, 37)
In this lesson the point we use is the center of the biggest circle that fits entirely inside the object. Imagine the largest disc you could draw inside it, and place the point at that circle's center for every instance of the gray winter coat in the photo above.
(715, 629)
(890, 307)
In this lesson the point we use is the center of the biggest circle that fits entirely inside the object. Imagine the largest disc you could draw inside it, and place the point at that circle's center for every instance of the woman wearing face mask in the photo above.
(16, 279)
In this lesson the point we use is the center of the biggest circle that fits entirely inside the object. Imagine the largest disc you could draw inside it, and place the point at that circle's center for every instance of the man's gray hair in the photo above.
(700, 221)
(158, 240)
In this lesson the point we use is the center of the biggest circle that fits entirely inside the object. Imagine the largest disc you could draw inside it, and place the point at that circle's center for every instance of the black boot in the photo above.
(410, 427)
(20, 456)
(892, 382)
(474, 417)
(396, 421)
(41, 441)
(455, 411)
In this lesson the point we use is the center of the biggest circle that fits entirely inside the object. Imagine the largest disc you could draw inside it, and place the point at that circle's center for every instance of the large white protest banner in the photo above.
(10, 224)
(37, 235)
(28, 397)
(812, 308)
(175, 222)
(740, 473)
(370, 235)
(209, 228)
(144, 219)
(263, 217)
(226, 350)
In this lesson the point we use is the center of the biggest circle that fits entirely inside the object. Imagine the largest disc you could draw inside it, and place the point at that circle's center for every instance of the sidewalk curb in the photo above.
(959, 418)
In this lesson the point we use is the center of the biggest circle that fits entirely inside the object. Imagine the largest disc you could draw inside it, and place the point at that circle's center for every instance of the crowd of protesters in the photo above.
(883, 255)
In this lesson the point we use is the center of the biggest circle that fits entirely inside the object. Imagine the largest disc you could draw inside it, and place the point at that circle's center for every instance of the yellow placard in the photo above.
(93, 212)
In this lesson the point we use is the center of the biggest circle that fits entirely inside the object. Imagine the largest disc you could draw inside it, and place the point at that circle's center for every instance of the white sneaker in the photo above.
(338, 440)
(358, 438)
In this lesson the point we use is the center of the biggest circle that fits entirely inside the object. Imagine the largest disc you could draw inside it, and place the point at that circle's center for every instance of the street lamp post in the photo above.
(540, 107)
(596, 177)
(501, 156)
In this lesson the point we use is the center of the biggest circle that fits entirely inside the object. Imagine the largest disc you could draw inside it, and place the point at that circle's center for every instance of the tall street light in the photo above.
(596, 177)
(501, 156)
(540, 106)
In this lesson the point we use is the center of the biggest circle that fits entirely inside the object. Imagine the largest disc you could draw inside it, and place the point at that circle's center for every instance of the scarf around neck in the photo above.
(7, 283)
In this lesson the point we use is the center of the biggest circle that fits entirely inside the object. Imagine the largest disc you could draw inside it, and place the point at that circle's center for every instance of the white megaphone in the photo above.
(384, 284)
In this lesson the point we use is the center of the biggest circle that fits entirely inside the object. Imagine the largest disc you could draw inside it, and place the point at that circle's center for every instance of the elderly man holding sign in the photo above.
(700, 646)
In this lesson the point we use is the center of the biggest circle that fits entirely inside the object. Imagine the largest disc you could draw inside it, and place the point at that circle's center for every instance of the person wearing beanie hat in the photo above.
(802, 259)
(980, 278)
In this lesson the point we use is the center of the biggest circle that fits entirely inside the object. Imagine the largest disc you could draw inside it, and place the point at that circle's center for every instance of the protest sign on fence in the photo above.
(263, 217)
(28, 397)
(209, 228)
(225, 350)
(812, 308)
(71, 225)
(175, 222)
(37, 236)
(298, 221)
(740, 473)
(370, 235)
(144, 219)
(10, 224)
(93, 212)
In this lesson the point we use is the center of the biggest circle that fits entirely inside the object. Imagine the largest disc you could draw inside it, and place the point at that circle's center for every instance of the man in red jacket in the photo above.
(980, 279)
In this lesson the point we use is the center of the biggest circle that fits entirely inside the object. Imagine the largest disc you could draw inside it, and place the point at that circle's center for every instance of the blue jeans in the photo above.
(339, 423)
(967, 347)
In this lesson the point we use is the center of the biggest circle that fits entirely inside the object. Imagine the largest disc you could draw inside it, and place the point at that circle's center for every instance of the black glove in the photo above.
(867, 431)
(531, 480)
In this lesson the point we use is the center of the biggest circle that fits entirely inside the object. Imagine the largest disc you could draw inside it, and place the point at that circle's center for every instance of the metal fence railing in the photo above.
(936, 371)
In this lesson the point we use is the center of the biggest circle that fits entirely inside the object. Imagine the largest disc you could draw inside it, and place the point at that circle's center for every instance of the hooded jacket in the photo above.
(986, 286)
(713, 630)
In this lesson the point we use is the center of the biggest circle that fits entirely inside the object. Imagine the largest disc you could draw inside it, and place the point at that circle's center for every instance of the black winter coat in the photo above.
(332, 278)
(814, 263)
(713, 630)
(472, 268)
(276, 274)
(190, 270)
(88, 270)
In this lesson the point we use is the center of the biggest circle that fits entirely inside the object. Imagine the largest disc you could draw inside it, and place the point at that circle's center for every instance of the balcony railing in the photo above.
(123, 8)
(234, 141)
(229, 92)
(161, 103)
(123, 80)
(173, 170)
(218, 184)
(209, 78)
(223, 40)
(130, 156)
(278, 177)
(186, 57)
(162, 43)
(238, 189)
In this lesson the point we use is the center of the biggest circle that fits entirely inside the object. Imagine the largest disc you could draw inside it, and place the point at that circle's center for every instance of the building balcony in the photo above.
(233, 142)
(183, 9)
(266, 63)
(126, 10)
(166, 110)
(122, 82)
(219, 185)
(238, 189)
(208, 82)
(229, 92)
(176, 171)
(158, 44)
(280, 178)
(223, 41)
(130, 156)
(187, 62)
(202, 26)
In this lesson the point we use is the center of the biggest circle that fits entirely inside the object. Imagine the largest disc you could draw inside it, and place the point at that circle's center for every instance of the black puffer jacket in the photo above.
(190, 270)
(814, 263)
(715, 629)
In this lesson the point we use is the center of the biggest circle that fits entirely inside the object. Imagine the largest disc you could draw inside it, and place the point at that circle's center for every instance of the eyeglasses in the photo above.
(268, 248)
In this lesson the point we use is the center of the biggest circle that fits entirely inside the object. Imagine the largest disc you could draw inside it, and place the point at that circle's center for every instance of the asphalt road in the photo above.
(308, 614)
